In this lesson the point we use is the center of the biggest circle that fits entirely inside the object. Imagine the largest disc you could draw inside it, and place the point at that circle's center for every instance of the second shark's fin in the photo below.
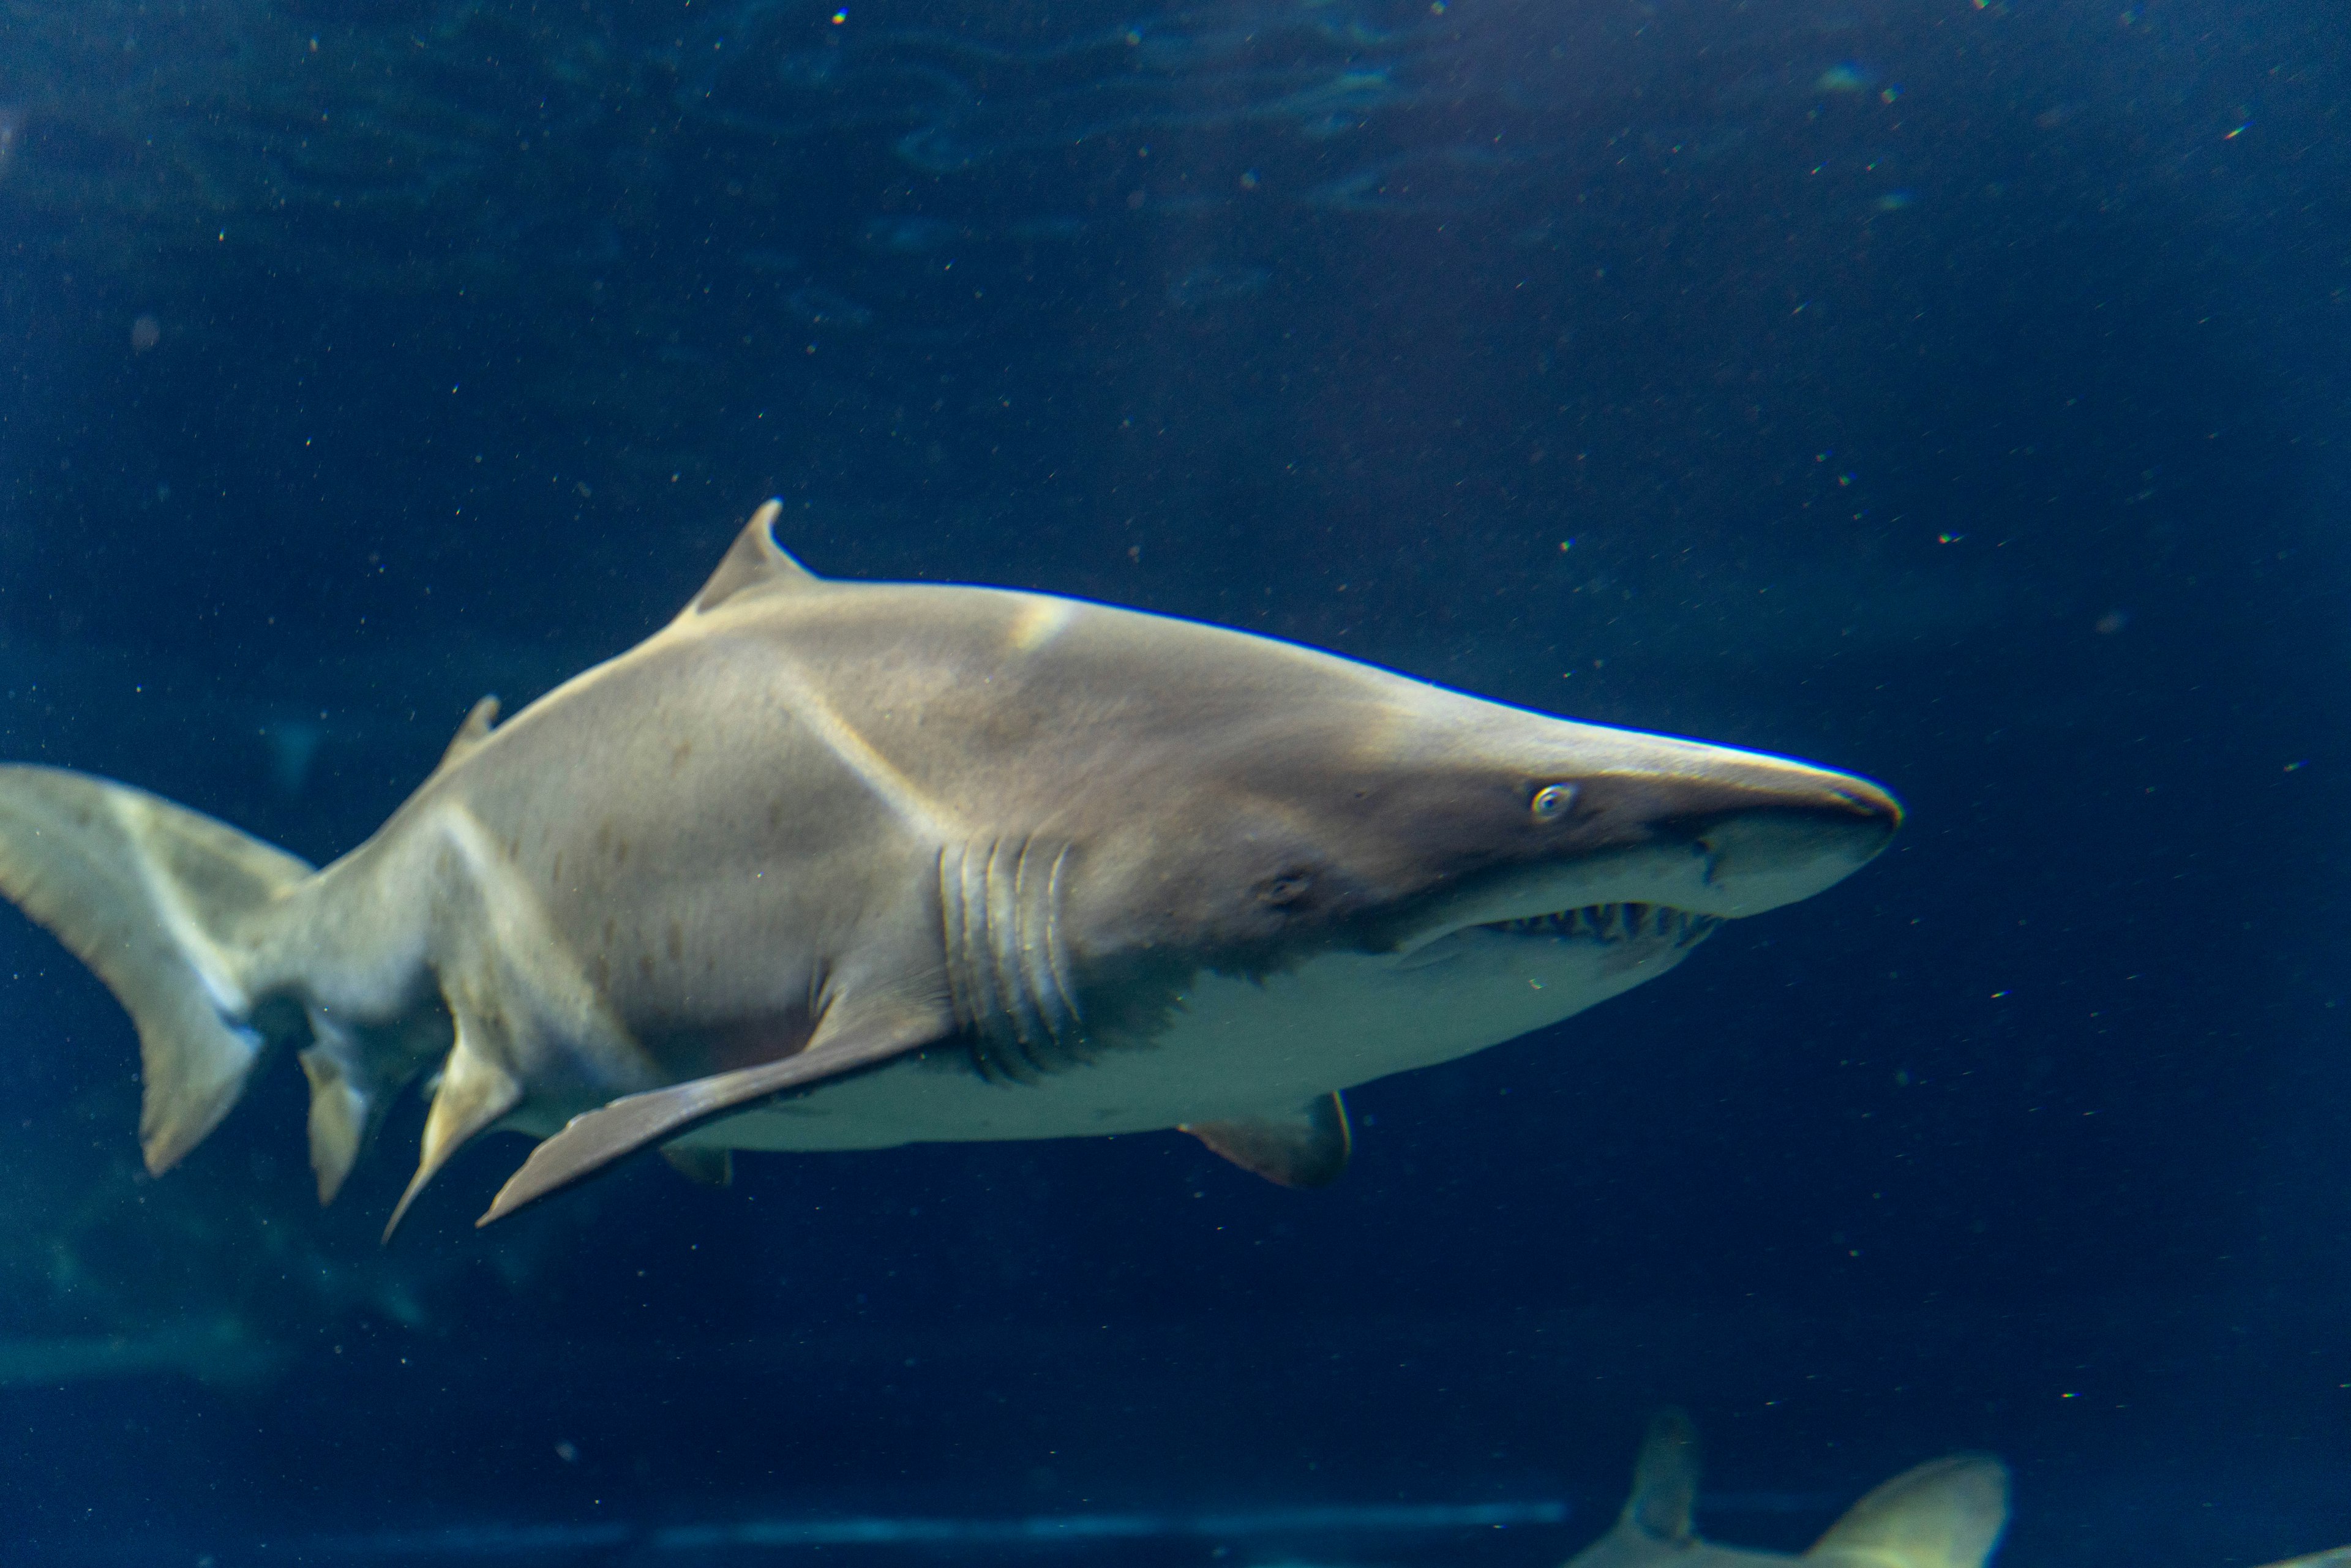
(845, 1042)
(1664, 1503)
(703, 1168)
(1948, 1513)
(1308, 1149)
(755, 562)
(474, 1093)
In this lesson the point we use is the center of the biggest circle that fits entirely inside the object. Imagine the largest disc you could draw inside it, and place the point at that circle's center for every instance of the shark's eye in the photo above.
(1551, 802)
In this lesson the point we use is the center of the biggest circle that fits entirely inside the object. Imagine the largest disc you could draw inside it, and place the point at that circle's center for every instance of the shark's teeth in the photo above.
(1612, 922)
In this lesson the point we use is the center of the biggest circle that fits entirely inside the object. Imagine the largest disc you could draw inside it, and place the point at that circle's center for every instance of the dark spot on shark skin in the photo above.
(676, 943)
(679, 753)
(645, 966)
(602, 971)
(776, 814)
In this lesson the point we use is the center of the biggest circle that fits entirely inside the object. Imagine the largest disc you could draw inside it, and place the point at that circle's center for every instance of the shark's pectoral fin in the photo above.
(1945, 1514)
(474, 1093)
(847, 1041)
(703, 1168)
(1309, 1149)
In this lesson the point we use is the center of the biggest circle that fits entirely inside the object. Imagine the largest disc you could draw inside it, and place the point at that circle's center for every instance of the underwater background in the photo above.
(1957, 391)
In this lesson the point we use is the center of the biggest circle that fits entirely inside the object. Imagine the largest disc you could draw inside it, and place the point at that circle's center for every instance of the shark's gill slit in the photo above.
(1612, 922)
(1002, 924)
(1007, 961)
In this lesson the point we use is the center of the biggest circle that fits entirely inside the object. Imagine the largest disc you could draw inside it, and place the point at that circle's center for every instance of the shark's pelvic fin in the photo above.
(703, 1168)
(1664, 1504)
(755, 563)
(1948, 1513)
(1308, 1149)
(474, 1093)
(164, 905)
(847, 1041)
(471, 734)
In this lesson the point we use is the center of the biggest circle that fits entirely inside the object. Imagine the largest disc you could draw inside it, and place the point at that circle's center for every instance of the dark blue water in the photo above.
(1958, 393)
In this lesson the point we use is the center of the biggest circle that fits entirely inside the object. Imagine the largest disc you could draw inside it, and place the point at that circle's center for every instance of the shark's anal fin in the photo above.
(703, 1168)
(1308, 1149)
(847, 1041)
(1948, 1513)
(341, 1114)
(755, 562)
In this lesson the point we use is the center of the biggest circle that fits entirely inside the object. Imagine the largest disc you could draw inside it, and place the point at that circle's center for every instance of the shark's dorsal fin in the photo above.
(755, 563)
(1945, 1514)
(1306, 1149)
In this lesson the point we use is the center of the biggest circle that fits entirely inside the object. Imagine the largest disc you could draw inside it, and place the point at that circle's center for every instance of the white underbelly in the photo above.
(1236, 1048)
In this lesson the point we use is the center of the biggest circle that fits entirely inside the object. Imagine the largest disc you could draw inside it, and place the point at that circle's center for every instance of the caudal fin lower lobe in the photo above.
(165, 905)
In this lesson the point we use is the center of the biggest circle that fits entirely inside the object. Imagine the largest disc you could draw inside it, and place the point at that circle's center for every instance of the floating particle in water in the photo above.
(1211, 285)
(12, 131)
(2112, 621)
(1894, 201)
(823, 307)
(145, 333)
(1842, 77)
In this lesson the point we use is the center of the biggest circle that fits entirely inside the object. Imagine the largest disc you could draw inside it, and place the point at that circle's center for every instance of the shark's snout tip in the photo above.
(1869, 801)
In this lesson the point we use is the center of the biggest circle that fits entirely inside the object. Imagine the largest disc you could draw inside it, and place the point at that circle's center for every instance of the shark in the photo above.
(832, 864)
(1946, 1514)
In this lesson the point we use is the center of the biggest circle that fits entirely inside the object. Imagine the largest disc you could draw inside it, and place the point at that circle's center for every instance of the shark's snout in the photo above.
(1666, 825)
(1731, 833)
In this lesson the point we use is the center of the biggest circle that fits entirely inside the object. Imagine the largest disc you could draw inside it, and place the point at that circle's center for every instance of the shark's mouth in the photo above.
(1609, 924)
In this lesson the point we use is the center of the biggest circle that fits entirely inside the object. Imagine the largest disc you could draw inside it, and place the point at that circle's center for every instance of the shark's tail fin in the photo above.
(164, 905)
(1945, 1514)
(1664, 1503)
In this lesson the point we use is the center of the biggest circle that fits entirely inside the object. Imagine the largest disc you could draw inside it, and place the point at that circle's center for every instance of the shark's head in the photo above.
(1401, 860)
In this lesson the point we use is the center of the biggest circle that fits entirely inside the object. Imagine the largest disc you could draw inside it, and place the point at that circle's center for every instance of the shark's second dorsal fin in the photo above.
(470, 734)
(755, 563)
(1665, 1479)
(1948, 1513)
